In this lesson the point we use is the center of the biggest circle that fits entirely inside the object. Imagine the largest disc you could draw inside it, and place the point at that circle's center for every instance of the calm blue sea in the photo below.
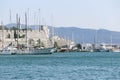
(61, 66)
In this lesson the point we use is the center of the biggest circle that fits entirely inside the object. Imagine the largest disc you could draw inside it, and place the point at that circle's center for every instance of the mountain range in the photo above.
(80, 35)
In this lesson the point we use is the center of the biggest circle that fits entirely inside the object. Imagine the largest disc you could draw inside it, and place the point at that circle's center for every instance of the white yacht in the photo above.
(8, 51)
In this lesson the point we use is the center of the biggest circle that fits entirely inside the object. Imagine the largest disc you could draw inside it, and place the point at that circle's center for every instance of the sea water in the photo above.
(61, 66)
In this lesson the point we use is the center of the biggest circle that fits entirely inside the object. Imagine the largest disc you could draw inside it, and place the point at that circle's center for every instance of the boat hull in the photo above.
(33, 52)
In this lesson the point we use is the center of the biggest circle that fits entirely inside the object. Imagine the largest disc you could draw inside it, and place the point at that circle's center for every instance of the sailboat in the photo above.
(33, 51)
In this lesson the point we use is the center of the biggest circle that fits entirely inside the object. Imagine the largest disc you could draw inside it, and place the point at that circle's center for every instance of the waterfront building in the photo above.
(35, 38)
(86, 47)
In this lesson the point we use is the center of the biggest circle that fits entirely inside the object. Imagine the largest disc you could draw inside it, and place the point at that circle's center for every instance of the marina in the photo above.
(23, 39)
(60, 40)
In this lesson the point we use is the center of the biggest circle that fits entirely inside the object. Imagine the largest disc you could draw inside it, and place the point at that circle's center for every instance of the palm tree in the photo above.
(40, 43)
(15, 35)
(78, 46)
(55, 45)
(31, 41)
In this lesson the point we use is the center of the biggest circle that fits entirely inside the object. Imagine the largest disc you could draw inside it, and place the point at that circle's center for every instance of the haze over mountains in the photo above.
(80, 35)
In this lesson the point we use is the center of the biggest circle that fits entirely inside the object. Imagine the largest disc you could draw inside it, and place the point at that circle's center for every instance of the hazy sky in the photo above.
(95, 14)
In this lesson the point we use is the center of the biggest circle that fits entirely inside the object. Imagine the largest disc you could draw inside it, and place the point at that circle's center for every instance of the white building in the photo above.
(63, 42)
(7, 36)
(86, 47)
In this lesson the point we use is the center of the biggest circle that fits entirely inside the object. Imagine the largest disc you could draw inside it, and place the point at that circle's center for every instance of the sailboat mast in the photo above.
(28, 19)
(10, 17)
(39, 21)
(95, 40)
(53, 42)
(35, 21)
(19, 24)
(17, 21)
(11, 34)
(2, 34)
(111, 40)
(83, 39)
(72, 37)
(52, 25)
(26, 29)
(96, 37)
(27, 26)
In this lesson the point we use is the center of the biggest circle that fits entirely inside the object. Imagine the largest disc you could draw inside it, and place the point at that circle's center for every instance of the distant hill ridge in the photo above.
(81, 35)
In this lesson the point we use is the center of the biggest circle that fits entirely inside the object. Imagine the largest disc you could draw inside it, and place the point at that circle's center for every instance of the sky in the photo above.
(92, 14)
